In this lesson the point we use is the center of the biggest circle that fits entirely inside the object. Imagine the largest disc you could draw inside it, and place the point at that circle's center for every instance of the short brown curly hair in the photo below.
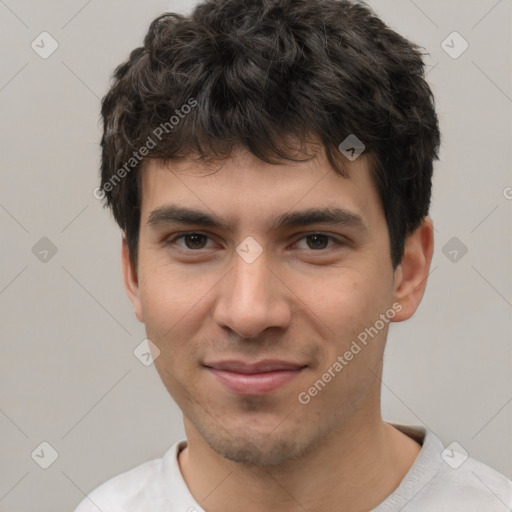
(257, 74)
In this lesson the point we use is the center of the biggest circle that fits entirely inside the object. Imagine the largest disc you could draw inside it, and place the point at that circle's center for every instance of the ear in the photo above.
(131, 282)
(411, 275)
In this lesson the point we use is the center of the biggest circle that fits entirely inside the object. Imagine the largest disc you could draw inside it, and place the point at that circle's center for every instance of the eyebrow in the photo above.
(173, 214)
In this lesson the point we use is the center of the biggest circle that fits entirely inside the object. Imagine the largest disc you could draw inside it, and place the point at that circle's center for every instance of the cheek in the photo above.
(165, 298)
(341, 300)
(347, 306)
(173, 313)
(160, 308)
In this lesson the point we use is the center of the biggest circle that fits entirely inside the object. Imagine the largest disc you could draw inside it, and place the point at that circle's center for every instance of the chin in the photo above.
(258, 448)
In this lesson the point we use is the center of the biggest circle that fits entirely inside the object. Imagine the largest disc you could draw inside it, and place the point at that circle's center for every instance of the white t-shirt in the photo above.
(436, 482)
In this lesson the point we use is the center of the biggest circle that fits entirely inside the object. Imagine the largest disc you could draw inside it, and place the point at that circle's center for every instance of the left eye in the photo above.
(317, 241)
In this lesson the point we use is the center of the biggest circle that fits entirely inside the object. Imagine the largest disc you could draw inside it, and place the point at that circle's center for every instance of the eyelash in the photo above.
(172, 241)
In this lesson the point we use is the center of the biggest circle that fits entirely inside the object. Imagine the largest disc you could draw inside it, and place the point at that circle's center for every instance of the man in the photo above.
(270, 166)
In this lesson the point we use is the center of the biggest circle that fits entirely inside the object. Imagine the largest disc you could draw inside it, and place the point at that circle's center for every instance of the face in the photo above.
(253, 281)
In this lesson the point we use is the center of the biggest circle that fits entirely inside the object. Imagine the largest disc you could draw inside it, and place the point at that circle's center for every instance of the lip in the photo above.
(254, 379)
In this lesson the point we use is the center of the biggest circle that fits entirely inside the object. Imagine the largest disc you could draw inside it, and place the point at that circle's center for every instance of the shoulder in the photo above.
(448, 480)
(474, 485)
(133, 490)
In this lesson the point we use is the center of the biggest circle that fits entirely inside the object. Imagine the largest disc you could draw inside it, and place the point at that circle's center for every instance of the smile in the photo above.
(255, 379)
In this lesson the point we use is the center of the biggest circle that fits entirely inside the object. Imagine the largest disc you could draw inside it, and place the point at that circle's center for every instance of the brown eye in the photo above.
(317, 241)
(191, 242)
(195, 240)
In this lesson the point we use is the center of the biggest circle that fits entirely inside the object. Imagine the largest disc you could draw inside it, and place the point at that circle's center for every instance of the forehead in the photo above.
(244, 188)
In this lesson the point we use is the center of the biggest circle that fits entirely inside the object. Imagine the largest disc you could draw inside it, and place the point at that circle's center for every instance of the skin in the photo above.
(302, 300)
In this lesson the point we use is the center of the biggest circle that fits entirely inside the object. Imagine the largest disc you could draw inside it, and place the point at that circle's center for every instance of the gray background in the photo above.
(68, 373)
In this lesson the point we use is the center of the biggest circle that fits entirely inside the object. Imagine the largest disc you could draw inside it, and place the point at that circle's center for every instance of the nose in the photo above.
(252, 298)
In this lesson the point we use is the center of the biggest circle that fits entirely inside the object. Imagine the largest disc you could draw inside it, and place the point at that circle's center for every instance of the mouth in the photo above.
(254, 379)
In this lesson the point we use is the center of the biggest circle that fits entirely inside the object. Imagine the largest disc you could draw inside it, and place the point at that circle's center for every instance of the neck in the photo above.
(355, 468)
